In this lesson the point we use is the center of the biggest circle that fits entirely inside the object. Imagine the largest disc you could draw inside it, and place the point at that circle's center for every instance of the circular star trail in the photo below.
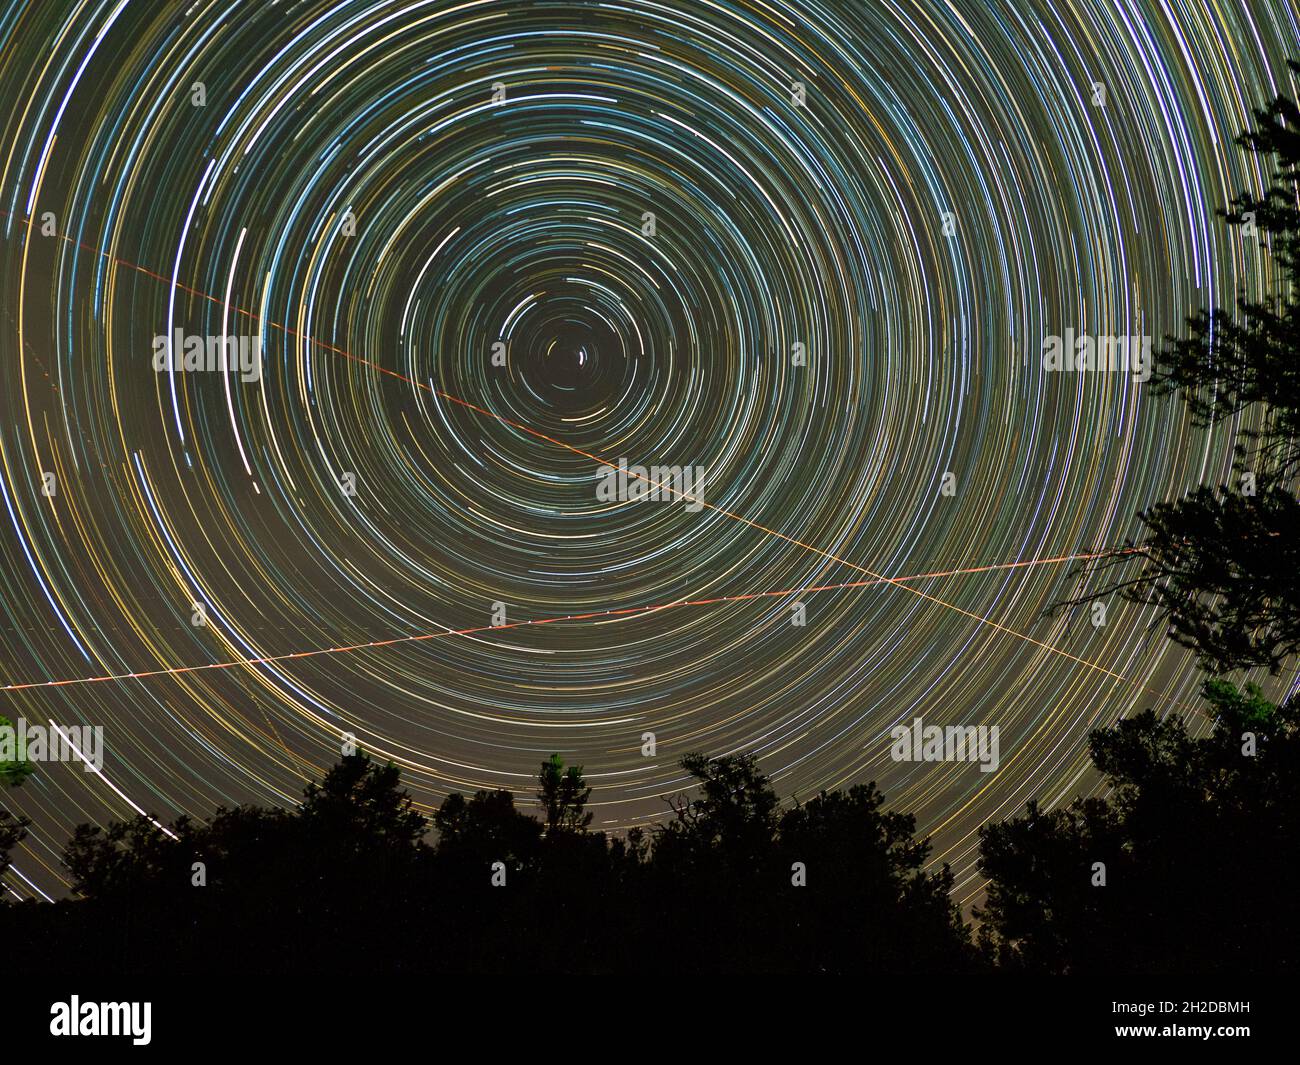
(482, 248)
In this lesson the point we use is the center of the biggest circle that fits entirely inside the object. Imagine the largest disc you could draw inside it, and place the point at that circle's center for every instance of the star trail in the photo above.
(480, 248)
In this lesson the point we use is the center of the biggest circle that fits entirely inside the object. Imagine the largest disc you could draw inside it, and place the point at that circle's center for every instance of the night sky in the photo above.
(866, 218)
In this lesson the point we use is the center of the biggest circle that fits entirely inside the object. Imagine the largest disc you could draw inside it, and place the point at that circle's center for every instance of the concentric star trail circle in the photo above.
(811, 248)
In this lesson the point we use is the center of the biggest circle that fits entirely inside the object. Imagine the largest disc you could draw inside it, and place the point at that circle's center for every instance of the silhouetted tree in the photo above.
(360, 802)
(869, 904)
(484, 829)
(832, 885)
(127, 858)
(563, 794)
(733, 818)
(1195, 842)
